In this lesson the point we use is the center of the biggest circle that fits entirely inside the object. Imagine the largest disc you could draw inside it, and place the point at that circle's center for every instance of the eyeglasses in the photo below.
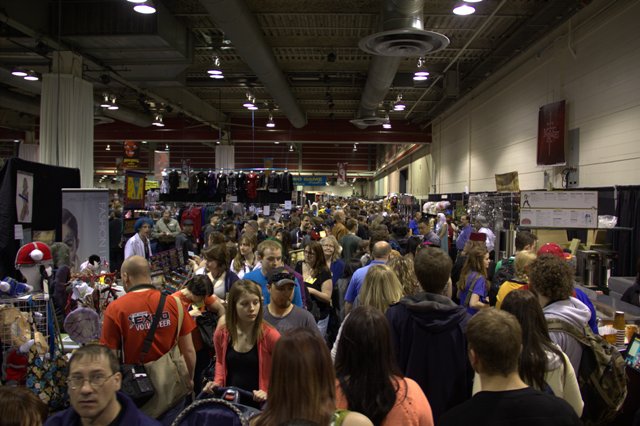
(97, 381)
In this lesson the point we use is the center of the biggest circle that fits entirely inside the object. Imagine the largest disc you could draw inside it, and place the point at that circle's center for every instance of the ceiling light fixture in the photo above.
(472, 1)
(113, 105)
(158, 121)
(399, 105)
(217, 142)
(464, 9)
(290, 148)
(105, 101)
(19, 72)
(136, 1)
(215, 71)
(270, 122)
(355, 147)
(250, 102)
(146, 8)
(166, 147)
(276, 142)
(386, 124)
(108, 148)
(421, 74)
(31, 76)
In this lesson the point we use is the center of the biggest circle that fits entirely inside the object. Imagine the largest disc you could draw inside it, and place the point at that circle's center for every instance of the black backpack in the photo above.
(602, 377)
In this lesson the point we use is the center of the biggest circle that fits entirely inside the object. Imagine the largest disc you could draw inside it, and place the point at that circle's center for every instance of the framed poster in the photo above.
(24, 196)
(134, 190)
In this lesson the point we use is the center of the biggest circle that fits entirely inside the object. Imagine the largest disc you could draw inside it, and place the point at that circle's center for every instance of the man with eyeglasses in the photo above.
(94, 383)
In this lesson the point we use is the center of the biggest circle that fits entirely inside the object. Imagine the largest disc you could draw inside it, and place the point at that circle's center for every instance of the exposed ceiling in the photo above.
(299, 58)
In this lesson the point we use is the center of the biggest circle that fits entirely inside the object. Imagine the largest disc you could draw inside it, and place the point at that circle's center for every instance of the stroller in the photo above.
(223, 408)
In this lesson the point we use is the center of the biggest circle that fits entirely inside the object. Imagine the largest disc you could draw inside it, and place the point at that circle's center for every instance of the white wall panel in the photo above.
(595, 68)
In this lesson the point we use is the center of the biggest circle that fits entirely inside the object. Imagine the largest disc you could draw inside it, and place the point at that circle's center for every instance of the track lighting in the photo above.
(108, 148)
(166, 147)
(290, 148)
(250, 102)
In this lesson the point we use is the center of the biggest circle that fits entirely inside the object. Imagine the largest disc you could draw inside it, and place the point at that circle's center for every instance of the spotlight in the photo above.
(290, 148)
(166, 147)
(276, 142)
(387, 123)
(108, 148)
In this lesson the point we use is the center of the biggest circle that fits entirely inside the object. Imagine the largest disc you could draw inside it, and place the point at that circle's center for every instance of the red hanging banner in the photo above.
(551, 134)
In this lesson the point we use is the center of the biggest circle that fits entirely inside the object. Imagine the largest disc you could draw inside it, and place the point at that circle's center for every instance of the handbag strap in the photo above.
(467, 299)
(180, 318)
(152, 331)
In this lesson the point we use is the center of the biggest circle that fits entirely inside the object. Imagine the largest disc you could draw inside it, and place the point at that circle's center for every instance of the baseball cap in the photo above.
(280, 277)
(553, 249)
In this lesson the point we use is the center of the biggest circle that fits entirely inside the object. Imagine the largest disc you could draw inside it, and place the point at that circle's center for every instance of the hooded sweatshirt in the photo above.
(428, 335)
(574, 312)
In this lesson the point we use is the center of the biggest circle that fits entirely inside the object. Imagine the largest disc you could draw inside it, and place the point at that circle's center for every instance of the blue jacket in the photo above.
(131, 415)
(229, 278)
(428, 336)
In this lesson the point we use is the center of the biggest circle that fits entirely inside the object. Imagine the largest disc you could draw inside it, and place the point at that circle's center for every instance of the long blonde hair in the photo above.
(380, 288)
(403, 267)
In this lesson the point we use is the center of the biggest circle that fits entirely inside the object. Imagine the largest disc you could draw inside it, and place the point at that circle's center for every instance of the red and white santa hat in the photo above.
(33, 254)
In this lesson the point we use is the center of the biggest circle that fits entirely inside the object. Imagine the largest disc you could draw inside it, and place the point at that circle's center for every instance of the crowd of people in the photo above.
(347, 315)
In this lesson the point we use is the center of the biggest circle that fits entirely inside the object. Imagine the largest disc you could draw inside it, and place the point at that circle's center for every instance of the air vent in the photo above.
(404, 42)
(368, 121)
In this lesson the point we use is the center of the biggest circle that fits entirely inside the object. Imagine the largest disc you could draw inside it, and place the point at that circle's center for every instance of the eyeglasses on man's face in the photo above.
(95, 380)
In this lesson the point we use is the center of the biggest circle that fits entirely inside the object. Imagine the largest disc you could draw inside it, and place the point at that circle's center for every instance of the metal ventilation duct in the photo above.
(402, 32)
(401, 35)
(241, 27)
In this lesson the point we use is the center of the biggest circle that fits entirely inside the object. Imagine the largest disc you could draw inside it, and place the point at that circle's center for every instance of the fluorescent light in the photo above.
(464, 9)
(136, 1)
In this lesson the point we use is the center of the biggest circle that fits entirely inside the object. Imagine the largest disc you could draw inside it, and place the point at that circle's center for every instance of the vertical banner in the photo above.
(24, 196)
(131, 151)
(551, 134)
(85, 223)
(342, 174)
(134, 190)
(160, 162)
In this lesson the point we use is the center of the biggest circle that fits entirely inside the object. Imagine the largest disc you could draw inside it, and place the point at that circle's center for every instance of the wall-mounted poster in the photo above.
(551, 134)
(24, 196)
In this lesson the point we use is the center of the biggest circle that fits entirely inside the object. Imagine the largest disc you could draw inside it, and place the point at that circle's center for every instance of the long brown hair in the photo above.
(474, 263)
(238, 261)
(237, 290)
(319, 261)
(302, 384)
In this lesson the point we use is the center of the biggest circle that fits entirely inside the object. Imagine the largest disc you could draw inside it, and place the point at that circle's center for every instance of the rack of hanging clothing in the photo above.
(258, 185)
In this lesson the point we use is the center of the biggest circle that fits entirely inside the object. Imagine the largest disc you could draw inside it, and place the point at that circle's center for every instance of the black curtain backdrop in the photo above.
(46, 209)
(627, 243)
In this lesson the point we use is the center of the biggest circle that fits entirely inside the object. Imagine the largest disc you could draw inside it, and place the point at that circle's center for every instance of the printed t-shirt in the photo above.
(128, 319)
